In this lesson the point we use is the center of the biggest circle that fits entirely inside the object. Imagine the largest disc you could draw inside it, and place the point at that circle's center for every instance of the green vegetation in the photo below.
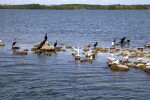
(75, 7)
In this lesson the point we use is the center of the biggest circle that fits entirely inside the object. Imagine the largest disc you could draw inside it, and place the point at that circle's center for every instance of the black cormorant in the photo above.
(55, 44)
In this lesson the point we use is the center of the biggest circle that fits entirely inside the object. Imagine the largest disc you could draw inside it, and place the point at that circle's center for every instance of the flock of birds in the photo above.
(77, 50)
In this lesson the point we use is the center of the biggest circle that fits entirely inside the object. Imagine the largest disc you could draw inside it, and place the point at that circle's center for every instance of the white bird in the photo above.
(0, 41)
(126, 57)
(91, 57)
(78, 52)
(147, 64)
(112, 43)
(111, 59)
(139, 59)
(116, 61)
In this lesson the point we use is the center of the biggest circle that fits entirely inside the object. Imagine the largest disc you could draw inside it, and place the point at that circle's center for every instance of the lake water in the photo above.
(53, 77)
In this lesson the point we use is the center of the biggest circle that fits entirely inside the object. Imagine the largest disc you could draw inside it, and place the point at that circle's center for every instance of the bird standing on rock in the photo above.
(95, 44)
(55, 44)
(14, 43)
(128, 40)
(45, 37)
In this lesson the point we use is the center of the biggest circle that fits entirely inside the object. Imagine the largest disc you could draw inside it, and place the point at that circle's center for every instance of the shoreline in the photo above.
(78, 7)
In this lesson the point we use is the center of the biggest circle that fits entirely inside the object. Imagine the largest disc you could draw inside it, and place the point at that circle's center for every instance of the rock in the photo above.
(140, 48)
(77, 58)
(110, 63)
(38, 52)
(134, 55)
(126, 61)
(1, 44)
(74, 53)
(47, 48)
(120, 67)
(98, 48)
(21, 52)
(38, 44)
(147, 46)
(140, 66)
(33, 49)
(63, 50)
(25, 50)
(15, 47)
(86, 50)
(82, 60)
(139, 63)
(87, 46)
(95, 52)
(129, 64)
(147, 69)
(58, 48)
(68, 47)
(47, 53)
(117, 50)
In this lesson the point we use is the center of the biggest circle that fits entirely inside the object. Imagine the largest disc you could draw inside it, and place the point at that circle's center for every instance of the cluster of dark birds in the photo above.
(41, 44)
(122, 41)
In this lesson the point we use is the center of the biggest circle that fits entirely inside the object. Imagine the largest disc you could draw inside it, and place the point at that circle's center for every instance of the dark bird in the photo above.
(95, 44)
(122, 40)
(14, 43)
(128, 39)
(41, 44)
(55, 44)
(45, 37)
(114, 40)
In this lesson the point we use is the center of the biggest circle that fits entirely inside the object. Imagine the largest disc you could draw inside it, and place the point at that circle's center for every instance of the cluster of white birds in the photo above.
(77, 50)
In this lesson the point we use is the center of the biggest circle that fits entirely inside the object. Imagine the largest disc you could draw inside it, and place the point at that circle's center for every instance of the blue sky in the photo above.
(101, 2)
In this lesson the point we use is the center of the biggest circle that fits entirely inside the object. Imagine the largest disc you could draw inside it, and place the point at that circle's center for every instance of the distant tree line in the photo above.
(75, 7)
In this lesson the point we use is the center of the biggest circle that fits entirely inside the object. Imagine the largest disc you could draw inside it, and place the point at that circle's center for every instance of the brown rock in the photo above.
(1, 44)
(58, 48)
(21, 52)
(68, 47)
(86, 50)
(140, 66)
(87, 46)
(120, 67)
(15, 47)
(77, 58)
(47, 53)
(47, 48)
(33, 49)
